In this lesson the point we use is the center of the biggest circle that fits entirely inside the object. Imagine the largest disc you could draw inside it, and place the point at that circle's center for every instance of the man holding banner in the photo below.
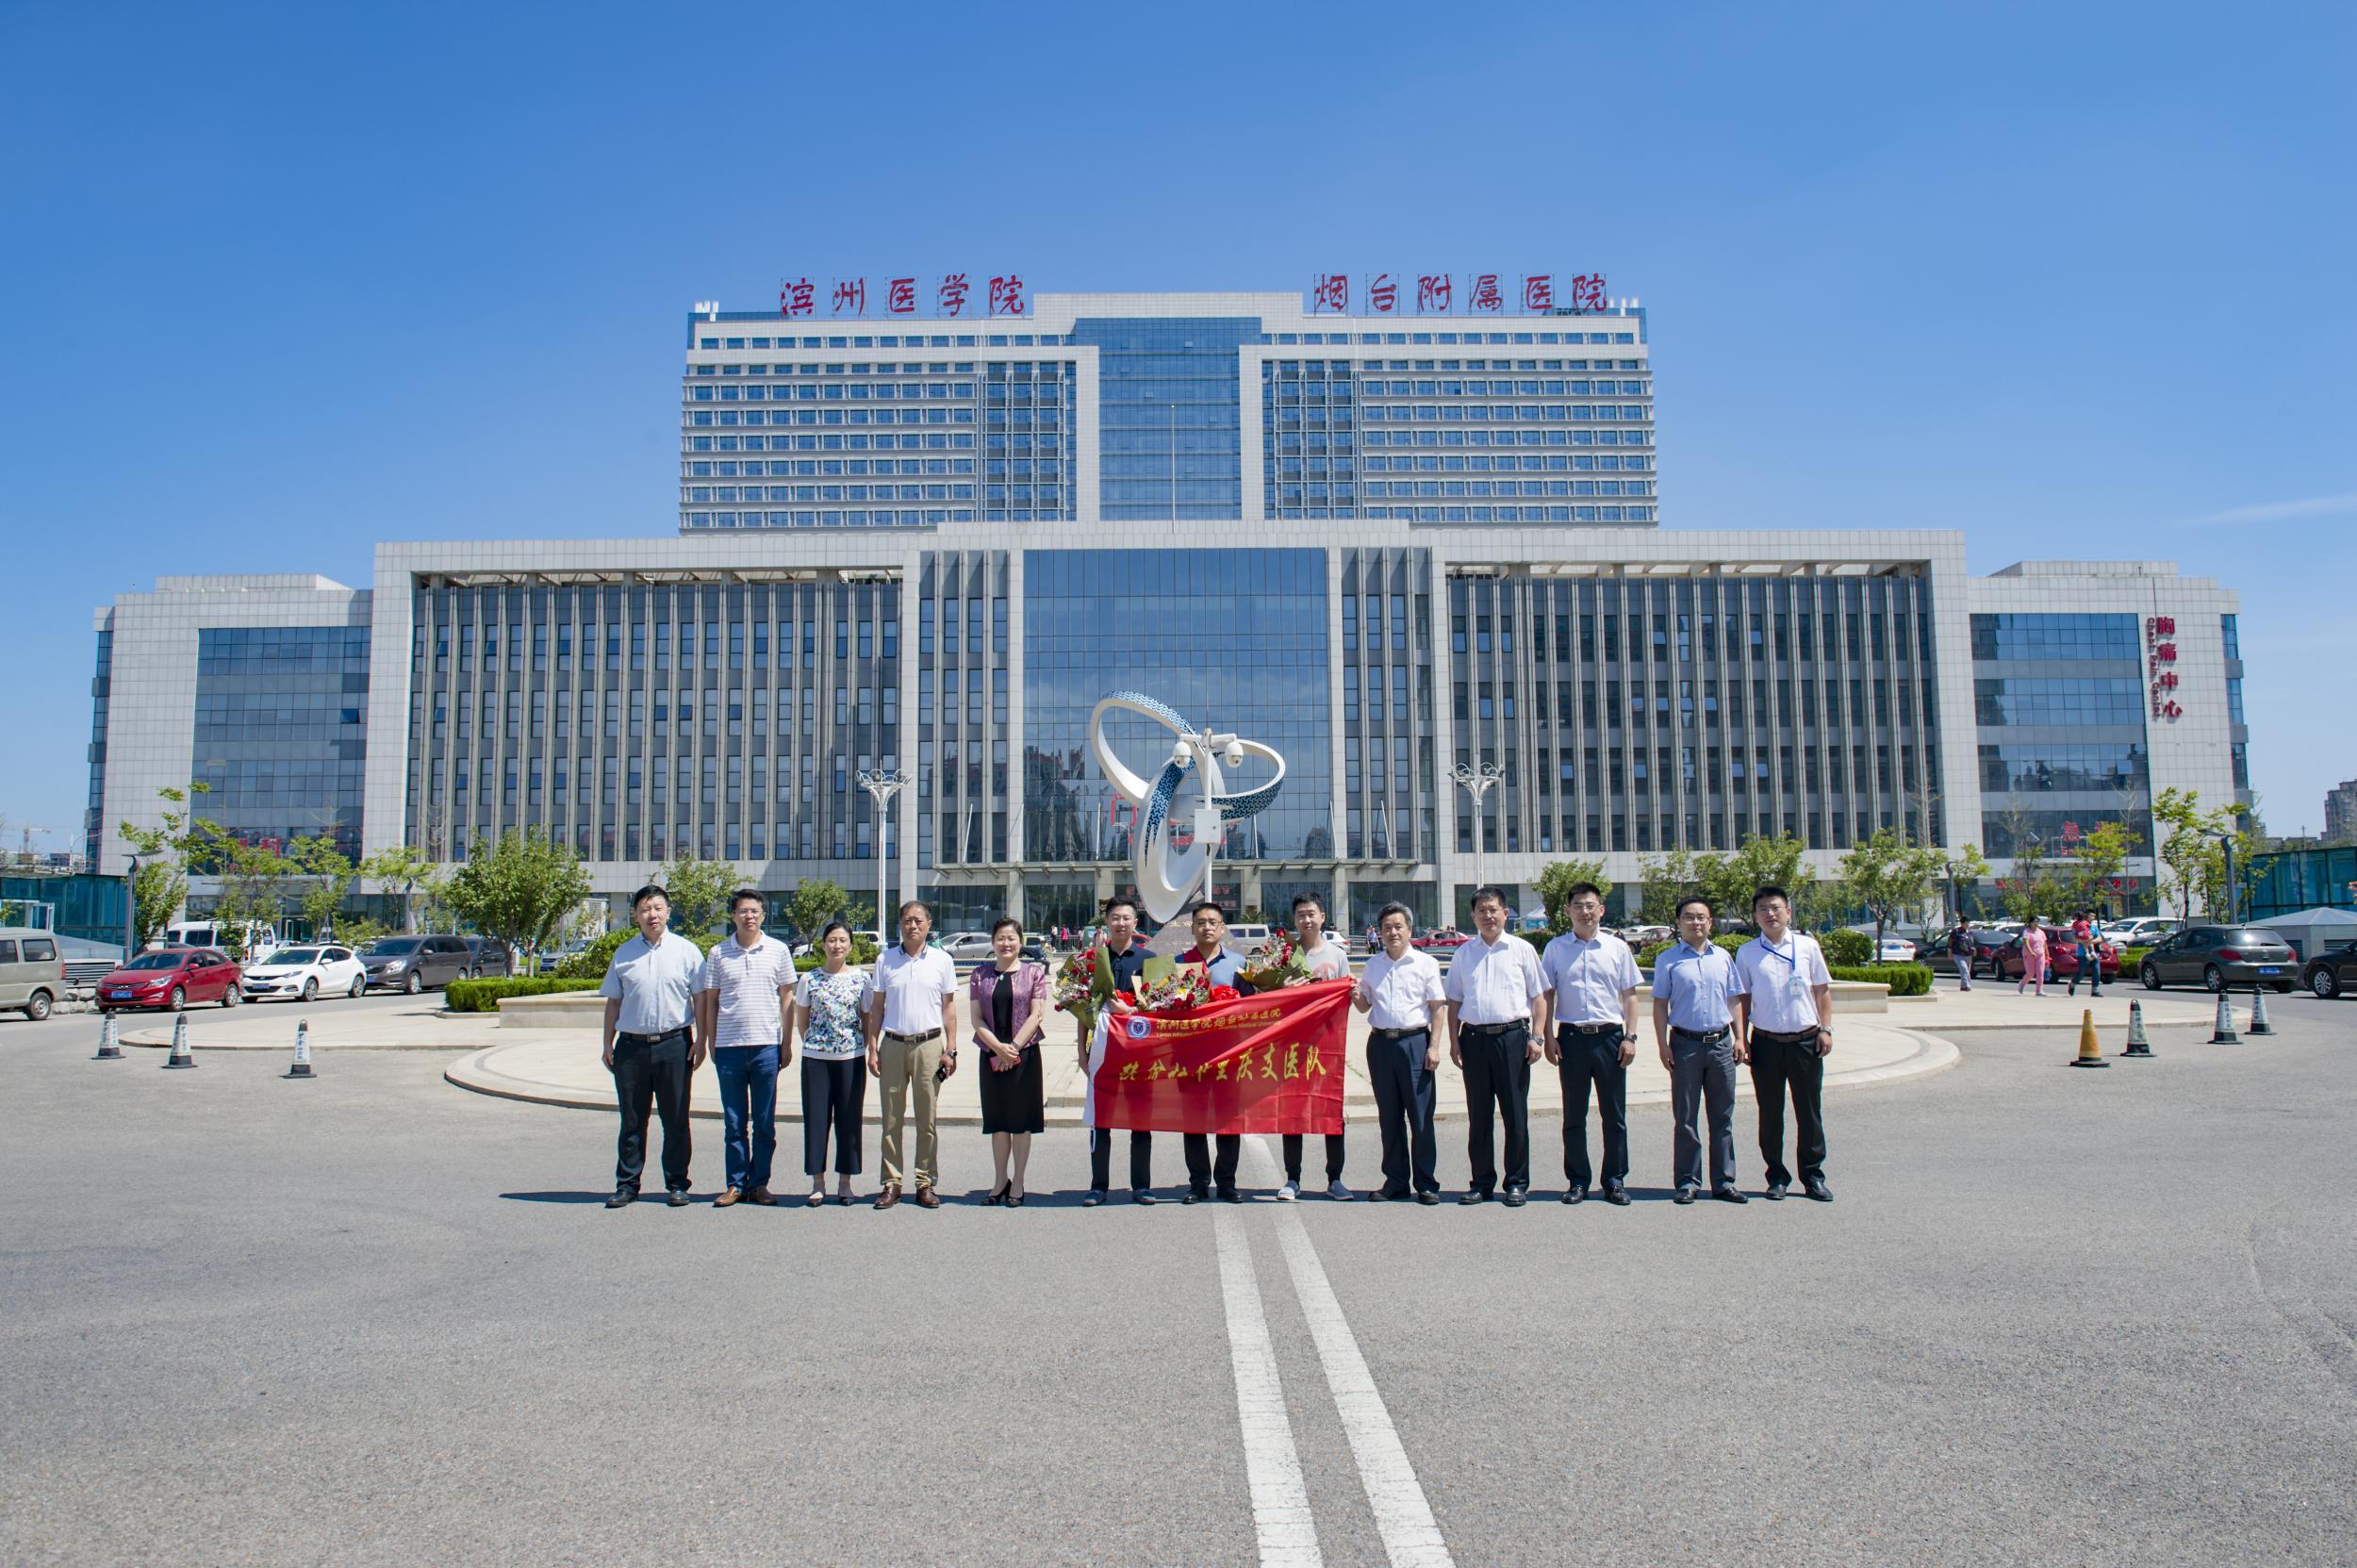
(1325, 961)
(1220, 967)
(1126, 955)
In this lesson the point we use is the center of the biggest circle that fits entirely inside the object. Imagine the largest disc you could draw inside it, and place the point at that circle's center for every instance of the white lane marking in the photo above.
(1412, 1537)
(1281, 1504)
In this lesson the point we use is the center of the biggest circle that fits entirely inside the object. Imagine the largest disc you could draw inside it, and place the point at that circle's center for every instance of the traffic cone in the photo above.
(2090, 1055)
(2137, 1043)
(180, 1057)
(301, 1067)
(2259, 1024)
(110, 1048)
(2222, 1033)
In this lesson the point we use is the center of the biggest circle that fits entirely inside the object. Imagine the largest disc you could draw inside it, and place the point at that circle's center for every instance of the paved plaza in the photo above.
(2055, 1316)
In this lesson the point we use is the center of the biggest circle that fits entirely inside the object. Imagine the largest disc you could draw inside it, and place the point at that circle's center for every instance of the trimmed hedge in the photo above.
(1730, 944)
(2132, 959)
(1847, 946)
(1904, 980)
(484, 995)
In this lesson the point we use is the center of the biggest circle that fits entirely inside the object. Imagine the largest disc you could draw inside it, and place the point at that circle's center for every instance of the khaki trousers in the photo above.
(911, 1066)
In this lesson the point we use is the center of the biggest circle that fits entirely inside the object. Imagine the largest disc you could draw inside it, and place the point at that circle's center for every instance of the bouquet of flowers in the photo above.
(1277, 962)
(1181, 988)
(1083, 983)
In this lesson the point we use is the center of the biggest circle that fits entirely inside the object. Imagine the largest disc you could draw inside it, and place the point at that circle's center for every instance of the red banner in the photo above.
(1270, 1062)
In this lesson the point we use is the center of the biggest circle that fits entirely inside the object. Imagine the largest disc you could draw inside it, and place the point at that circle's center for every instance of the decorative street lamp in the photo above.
(1476, 780)
(883, 784)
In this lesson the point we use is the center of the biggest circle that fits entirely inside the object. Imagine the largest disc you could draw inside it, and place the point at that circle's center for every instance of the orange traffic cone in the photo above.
(2090, 1055)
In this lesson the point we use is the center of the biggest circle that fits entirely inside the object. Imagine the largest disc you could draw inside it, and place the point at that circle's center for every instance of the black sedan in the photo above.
(2219, 958)
(2332, 972)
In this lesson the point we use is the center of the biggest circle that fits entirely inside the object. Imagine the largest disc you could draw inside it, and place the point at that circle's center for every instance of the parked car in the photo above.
(2142, 930)
(171, 978)
(2062, 960)
(32, 976)
(2332, 972)
(2220, 957)
(259, 938)
(1897, 950)
(413, 963)
(488, 957)
(306, 974)
(1443, 939)
(967, 946)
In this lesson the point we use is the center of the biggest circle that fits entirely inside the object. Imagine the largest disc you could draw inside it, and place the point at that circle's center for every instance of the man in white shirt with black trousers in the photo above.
(1401, 992)
(1593, 980)
(1782, 1001)
(1497, 1015)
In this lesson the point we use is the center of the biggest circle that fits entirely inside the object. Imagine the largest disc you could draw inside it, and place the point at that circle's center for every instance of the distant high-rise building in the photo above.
(2340, 811)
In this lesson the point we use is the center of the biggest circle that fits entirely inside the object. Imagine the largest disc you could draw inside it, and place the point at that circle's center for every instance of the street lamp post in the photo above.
(131, 911)
(1476, 780)
(883, 784)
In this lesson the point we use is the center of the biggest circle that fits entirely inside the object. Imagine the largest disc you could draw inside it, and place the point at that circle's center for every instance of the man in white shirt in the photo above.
(1783, 1007)
(744, 1011)
(1401, 992)
(650, 1045)
(911, 1023)
(1326, 961)
(1497, 1015)
(1592, 981)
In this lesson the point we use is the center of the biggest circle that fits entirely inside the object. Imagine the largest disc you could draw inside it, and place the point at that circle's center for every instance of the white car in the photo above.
(306, 974)
(1898, 950)
(2144, 930)
(967, 946)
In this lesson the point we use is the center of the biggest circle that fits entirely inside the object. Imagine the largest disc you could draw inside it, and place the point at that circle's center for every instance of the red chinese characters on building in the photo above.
(1006, 295)
(798, 298)
(1588, 291)
(2160, 641)
(900, 296)
(1486, 294)
(1382, 294)
(1539, 291)
(1433, 294)
(850, 293)
(950, 299)
(1332, 292)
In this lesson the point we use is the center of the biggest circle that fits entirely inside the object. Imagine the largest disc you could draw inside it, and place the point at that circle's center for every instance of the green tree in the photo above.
(161, 886)
(810, 906)
(2193, 864)
(329, 872)
(2094, 863)
(1664, 879)
(521, 889)
(1556, 879)
(1889, 876)
(405, 867)
(252, 878)
(1958, 867)
(158, 888)
(699, 892)
(1728, 881)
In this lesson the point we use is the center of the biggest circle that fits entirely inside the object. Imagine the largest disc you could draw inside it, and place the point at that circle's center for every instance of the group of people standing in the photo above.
(1502, 1004)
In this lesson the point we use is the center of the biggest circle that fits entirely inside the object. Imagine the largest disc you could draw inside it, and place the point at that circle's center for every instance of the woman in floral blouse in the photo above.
(834, 1062)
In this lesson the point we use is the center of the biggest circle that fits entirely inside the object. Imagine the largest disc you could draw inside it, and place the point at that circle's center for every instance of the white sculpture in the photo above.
(1169, 881)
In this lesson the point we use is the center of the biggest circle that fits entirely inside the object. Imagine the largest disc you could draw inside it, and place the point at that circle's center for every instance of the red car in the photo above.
(171, 980)
(1442, 939)
(2062, 960)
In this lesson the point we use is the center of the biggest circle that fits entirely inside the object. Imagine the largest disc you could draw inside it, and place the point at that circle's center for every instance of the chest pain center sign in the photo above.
(1269, 1063)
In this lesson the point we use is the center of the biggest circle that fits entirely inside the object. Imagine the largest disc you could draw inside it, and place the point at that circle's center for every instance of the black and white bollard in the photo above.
(2137, 1045)
(2259, 1024)
(180, 1057)
(110, 1048)
(2222, 1033)
(301, 1067)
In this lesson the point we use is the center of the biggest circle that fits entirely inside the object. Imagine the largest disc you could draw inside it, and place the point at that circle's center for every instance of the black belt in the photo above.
(1495, 1029)
(1783, 1037)
(1614, 1028)
(911, 1039)
(1387, 1035)
(649, 1039)
(1710, 1039)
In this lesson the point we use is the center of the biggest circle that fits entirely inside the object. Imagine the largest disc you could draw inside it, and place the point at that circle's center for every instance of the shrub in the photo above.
(1904, 980)
(863, 953)
(592, 961)
(1730, 944)
(1847, 946)
(484, 995)
(2132, 959)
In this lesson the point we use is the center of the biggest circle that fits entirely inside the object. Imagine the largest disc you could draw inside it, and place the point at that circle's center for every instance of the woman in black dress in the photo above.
(1008, 1001)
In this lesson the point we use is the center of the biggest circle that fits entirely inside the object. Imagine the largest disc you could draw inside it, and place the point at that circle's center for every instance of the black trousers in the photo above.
(1790, 1061)
(1497, 1085)
(1404, 1104)
(833, 1093)
(1334, 1157)
(652, 1070)
(1102, 1159)
(1203, 1173)
(1592, 1058)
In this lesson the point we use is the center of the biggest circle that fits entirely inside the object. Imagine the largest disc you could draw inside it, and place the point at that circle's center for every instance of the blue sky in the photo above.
(2072, 279)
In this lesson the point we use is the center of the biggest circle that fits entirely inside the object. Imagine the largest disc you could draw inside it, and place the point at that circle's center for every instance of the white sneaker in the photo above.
(1339, 1193)
(1289, 1193)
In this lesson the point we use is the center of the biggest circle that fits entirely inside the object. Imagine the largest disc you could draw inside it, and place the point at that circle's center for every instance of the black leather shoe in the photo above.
(1617, 1195)
(1817, 1190)
(1144, 1199)
(1515, 1198)
(623, 1198)
(1686, 1195)
(1470, 1199)
(1776, 1191)
(676, 1199)
(1193, 1197)
(1728, 1195)
(1095, 1196)
(1427, 1199)
(1229, 1195)
(1379, 1196)
(1575, 1194)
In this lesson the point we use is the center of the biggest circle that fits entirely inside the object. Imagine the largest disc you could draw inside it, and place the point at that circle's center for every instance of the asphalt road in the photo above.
(2055, 1318)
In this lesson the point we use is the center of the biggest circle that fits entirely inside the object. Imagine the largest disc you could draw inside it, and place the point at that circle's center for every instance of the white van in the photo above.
(260, 939)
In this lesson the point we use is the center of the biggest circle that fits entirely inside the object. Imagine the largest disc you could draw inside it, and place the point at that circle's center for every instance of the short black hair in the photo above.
(830, 927)
(1401, 910)
(652, 890)
(1005, 922)
(1300, 899)
(744, 893)
(914, 903)
(1196, 909)
(1768, 890)
(1695, 898)
(1496, 895)
(1121, 900)
(1578, 888)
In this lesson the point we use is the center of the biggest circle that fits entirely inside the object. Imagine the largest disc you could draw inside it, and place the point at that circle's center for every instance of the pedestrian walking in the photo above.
(1326, 961)
(1783, 1007)
(1497, 1015)
(827, 1003)
(650, 1045)
(745, 1013)
(2033, 958)
(1402, 994)
(2086, 954)
(1693, 1027)
(912, 1026)
(1008, 998)
(1592, 981)
(1960, 954)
